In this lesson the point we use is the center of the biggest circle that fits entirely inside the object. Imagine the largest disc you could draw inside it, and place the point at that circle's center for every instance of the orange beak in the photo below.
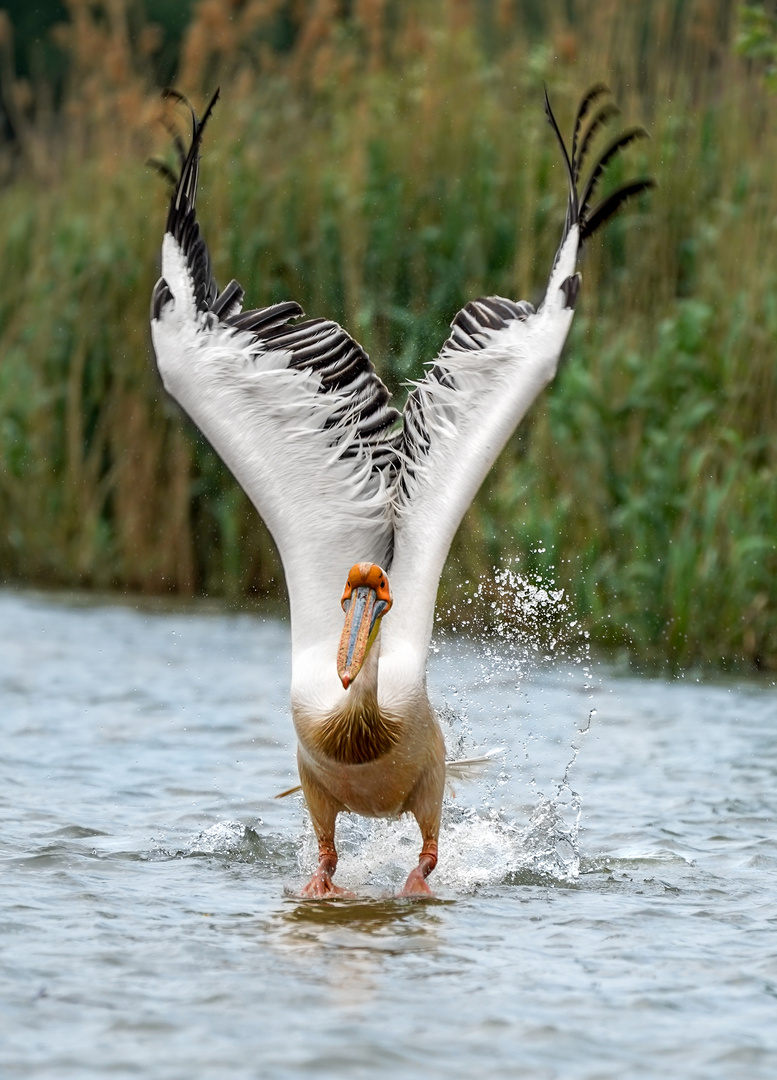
(366, 600)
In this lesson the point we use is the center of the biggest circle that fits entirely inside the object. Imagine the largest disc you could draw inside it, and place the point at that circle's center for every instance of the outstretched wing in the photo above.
(498, 358)
(294, 409)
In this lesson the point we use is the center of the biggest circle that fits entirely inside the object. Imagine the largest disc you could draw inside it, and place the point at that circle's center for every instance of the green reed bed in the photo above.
(382, 171)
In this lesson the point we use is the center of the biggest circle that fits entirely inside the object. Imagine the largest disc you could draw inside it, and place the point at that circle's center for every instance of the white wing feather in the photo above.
(295, 410)
(456, 422)
(313, 483)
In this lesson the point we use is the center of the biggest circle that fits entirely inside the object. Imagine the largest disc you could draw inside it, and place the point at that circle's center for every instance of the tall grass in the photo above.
(382, 165)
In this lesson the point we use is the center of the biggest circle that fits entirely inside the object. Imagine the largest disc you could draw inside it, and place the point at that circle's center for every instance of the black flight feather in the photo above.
(602, 115)
(572, 205)
(620, 143)
(163, 169)
(589, 97)
(604, 210)
(578, 204)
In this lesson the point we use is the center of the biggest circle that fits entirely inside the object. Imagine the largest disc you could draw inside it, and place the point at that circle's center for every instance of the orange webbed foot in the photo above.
(416, 880)
(416, 884)
(321, 886)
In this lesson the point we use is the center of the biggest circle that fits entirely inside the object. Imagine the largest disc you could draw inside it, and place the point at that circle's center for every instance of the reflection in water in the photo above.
(390, 925)
(349, 941)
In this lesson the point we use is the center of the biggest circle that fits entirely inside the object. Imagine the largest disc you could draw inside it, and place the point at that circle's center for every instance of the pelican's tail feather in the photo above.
(471, 768)
(288, 791)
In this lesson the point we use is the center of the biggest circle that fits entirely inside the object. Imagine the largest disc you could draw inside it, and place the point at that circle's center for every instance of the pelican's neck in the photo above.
(356, 731)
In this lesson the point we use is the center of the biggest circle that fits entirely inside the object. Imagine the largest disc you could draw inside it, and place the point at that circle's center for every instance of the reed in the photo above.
(382, 165)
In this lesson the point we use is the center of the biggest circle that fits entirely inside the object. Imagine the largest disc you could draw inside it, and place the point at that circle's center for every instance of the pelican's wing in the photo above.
(295, 410)
(498, 358)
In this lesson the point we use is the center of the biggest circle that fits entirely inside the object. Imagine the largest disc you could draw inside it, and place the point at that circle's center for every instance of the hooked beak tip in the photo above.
(346, 680)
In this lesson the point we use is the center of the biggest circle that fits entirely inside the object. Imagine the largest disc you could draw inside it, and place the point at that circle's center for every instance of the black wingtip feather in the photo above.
(163, 169)
(604, 210)
(572, 207)
(185, 194)
(620, 143)
(589, 97)
(603, 115)
(182, 225)
(578, 205)
(181, 221)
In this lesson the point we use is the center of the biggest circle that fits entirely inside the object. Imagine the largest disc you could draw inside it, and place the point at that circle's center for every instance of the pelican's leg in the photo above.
(416, 884)
(321, 884)
(426, 807)
(323, 813)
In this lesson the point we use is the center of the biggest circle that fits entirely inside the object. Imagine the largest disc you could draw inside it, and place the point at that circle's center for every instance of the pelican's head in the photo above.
(366, 599)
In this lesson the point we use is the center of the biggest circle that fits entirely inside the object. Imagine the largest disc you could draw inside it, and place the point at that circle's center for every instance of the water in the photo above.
(148, 923)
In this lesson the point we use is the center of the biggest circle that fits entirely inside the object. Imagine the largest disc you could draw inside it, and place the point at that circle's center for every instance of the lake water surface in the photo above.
(606, 893)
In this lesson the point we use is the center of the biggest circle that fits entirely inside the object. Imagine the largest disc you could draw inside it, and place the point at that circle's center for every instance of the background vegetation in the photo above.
(382, 162)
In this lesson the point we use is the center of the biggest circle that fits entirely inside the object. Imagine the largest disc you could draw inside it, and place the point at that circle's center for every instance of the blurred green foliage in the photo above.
(757, 39)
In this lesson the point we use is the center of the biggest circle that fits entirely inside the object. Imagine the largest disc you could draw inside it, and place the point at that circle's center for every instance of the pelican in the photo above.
(363, 503)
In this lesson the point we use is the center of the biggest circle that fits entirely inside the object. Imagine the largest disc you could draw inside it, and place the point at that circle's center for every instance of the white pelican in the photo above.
(363, 509)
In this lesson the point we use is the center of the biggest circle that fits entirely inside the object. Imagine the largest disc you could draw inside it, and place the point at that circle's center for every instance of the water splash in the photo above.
(227, 838)
(519, 625)
(235, 842)
(478, 847)
(519, 622)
